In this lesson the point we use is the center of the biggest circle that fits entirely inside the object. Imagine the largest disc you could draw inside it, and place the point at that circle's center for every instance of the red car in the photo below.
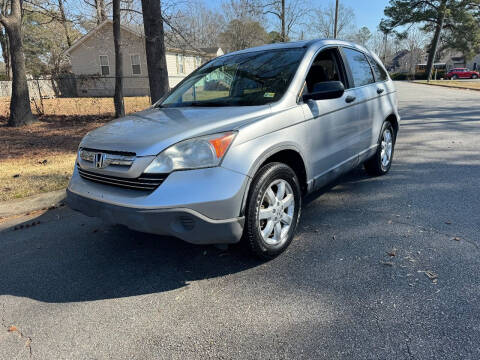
(462, 73)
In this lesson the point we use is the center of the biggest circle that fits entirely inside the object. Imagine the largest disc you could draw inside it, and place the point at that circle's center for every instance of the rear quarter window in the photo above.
(380, 74)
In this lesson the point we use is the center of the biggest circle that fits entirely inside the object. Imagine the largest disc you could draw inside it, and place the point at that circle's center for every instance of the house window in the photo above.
(198, 61)
(104, 65)
(136, 69)
(180, 64)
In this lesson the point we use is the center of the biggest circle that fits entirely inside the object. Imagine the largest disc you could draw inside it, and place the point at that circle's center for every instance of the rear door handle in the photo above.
(350, 99)
(380, 90)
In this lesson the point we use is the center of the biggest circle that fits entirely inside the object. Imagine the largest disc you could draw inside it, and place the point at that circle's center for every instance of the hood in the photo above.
(151, 131)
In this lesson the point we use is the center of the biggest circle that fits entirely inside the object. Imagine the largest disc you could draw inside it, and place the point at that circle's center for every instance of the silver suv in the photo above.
(229, 153)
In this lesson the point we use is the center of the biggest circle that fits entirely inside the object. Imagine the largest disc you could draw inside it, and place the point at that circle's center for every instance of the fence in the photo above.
(81, 95)
(84, 86)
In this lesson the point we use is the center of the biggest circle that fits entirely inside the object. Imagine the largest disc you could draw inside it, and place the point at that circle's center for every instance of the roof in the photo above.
(210, 50)
(138, 31)
(299, 44)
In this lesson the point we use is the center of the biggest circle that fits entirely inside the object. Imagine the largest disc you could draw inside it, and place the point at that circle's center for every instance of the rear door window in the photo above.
(359, 66)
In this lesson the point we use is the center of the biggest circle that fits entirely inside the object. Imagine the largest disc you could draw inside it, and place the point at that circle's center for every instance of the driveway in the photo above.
(381, 268)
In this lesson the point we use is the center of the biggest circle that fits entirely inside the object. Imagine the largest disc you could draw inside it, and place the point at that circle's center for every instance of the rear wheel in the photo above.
(273, 210)
(474, 76)
(380, 163)
(454, 77)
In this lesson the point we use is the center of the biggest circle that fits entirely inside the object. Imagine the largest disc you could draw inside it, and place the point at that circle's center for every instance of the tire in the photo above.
(454, 77)
(377, 165)
(474, 76)
(264, 203)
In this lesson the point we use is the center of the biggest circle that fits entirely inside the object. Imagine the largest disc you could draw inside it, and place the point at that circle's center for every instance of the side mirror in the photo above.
(325, 90)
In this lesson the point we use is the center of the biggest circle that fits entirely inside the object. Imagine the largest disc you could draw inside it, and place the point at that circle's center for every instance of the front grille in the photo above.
(144, 182)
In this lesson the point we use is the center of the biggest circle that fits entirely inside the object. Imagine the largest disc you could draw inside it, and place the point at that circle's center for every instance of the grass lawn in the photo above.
(464, 84)
(40, 158)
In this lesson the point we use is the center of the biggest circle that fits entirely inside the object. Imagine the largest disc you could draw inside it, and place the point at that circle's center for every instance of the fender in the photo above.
(264, 157)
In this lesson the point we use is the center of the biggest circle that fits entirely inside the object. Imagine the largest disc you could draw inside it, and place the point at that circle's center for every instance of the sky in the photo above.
(367, 12)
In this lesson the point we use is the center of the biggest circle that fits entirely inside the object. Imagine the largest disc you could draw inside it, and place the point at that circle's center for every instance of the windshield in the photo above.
(254, 78)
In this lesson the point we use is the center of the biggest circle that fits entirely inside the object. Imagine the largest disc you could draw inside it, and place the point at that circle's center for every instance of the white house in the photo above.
(93, 62)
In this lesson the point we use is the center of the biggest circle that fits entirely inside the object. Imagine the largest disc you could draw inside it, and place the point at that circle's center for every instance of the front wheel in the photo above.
(381, 161)
(273, 210)
(474, 76)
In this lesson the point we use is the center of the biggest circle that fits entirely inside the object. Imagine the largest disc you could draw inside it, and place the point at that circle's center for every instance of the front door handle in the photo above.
(350, 99)
(380, 90)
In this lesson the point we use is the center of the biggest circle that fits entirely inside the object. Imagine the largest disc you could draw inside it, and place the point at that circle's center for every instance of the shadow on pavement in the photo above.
(75, 260)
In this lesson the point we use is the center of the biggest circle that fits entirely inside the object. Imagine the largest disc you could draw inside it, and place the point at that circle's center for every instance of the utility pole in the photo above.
(336, 21)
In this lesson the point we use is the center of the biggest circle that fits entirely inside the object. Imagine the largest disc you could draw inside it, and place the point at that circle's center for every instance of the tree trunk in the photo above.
(283, 35)
(335, 26)
(436, 39)
(20, 111)
(64, 22)
(155, 49)
(101, 13)
(5, 53)
(117, 41)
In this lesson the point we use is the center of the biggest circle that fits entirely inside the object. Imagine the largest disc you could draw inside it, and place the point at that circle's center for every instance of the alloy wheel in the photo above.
(387, 147)
(276, 212)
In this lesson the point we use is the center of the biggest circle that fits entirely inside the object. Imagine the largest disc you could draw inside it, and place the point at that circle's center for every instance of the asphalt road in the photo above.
(75, 288)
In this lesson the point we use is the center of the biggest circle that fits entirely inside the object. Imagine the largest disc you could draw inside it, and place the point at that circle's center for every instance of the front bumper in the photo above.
(198, 206)
(184, 224)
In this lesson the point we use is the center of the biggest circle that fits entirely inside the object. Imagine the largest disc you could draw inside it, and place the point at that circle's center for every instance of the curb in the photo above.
(446, 86)
(32, 203)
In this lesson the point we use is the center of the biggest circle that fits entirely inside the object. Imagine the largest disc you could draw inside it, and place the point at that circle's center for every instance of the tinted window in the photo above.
(252, 78)
(380, 74)
(361, 71)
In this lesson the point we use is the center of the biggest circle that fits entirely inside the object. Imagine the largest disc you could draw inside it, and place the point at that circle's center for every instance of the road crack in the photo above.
(13, 328)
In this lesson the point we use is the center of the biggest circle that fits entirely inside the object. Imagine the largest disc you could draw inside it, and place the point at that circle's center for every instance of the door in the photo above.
(381, 105)
(367, 108)
(330, 123)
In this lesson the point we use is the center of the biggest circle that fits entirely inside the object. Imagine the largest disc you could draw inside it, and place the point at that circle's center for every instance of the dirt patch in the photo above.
(40, 158)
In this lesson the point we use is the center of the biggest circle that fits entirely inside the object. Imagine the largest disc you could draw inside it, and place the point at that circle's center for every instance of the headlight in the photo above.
(196, 153)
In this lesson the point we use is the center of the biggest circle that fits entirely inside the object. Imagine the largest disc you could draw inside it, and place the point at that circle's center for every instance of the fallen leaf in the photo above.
(44, 162)
(16, 176)
(12, 328)
(392, 253)
(390, 221)
(387, 263)
(334, 237)
(431, 275)
(456, 238)
(448, 222)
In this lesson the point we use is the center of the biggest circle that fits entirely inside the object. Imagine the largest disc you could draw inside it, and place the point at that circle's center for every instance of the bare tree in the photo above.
(63, 20)
(199, 25)
(20, 111)
(101, 12)
(155, 48)
(415, 42)
(117, 42)
(324, 21)
(242, 34)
